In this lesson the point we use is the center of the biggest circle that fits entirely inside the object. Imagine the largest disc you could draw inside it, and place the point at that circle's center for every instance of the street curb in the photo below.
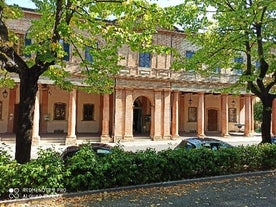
(144, 186)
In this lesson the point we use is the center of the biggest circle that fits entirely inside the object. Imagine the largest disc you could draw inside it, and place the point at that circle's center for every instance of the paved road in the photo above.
(241, 191)
(244, 190)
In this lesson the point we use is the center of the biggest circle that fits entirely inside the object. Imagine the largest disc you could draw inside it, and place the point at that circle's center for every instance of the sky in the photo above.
(29, 4)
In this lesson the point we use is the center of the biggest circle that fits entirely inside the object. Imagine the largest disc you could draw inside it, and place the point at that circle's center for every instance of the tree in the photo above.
(240, 30)
(103, 26)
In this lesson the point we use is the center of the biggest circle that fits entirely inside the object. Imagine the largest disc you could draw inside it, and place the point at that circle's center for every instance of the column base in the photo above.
(117, 139)
(155, 138)
(201, 135)
(225, 135)
(106, 138)
(167, 137)
(70, 140)
(128, 138)
(36, 141)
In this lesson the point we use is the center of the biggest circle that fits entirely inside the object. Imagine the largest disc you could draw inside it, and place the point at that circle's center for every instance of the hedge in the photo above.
(49, 174)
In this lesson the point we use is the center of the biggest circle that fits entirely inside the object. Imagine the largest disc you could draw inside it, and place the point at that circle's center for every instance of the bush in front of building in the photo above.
(88, 171)
(41, 176)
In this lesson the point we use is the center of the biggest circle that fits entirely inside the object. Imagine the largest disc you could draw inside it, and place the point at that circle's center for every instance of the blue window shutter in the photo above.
(218, 70)
(88, 56)
(258, 64)
(189, 54)
(27, 43)
(66, 48)
(145, 60)
(239, 61)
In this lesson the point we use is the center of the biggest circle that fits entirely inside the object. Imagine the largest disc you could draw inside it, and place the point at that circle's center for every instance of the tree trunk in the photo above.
(266, 122)
(28, 90)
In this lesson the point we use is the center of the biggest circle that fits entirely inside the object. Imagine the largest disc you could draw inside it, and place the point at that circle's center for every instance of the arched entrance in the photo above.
(141, 117)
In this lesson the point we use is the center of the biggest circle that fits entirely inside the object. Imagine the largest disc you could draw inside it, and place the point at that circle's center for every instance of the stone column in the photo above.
(273, 118)
(167, 115)
(35, 134)
(71, 138)
(248, 115)
(200, 115)
(175, 114)
(119, 115)
(253, 101)
(105, 137)
(157, 115)
(224, 115)
(128, 115)
(44, 109)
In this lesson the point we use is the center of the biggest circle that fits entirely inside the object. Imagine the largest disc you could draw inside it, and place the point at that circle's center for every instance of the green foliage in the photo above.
(43, 174)
(258, 111)
(88, 171)
(83, 171)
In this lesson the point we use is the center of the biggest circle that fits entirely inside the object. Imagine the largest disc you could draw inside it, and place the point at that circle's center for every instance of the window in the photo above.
(1, 104)
(145, 60)
(66, 48)
(59, 111)
(238, 65)
(232, 115)
(28, 42)
(19, 44)
(189, 54)
(88, 112)
(258, 64)
(217, 70)
(192, 114)
(88, 55)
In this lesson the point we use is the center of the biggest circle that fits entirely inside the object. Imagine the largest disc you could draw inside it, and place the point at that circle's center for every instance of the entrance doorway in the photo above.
(212, 120)
(141, 117)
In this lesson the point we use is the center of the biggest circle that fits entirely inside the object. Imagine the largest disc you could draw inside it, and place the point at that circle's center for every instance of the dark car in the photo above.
(99, 149)
(196, 142)
(273, 140)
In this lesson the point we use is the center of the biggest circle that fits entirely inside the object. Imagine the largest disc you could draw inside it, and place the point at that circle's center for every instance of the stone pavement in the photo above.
(141, 143)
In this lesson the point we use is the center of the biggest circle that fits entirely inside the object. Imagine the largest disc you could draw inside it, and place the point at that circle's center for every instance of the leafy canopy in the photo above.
(225, 30)
(101, 27)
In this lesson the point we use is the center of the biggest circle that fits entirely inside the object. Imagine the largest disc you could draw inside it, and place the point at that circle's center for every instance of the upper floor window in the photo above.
(59, 111)
(145, 60)
(238, 65)
(28, 42)
(258, 64)
(88, 112)
(189, 54)
(66, 48)
(19, 44)
(87, 54)
(217, 70)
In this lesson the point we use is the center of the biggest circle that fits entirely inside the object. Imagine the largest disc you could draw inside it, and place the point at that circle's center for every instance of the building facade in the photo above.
(149, 100)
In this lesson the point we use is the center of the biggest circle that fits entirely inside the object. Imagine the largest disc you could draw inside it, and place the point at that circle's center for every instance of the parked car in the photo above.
(273, 140)
(196, 142)
(99, 148)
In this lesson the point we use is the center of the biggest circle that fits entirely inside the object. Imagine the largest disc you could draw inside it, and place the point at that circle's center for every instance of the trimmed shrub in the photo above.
(88, 171)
